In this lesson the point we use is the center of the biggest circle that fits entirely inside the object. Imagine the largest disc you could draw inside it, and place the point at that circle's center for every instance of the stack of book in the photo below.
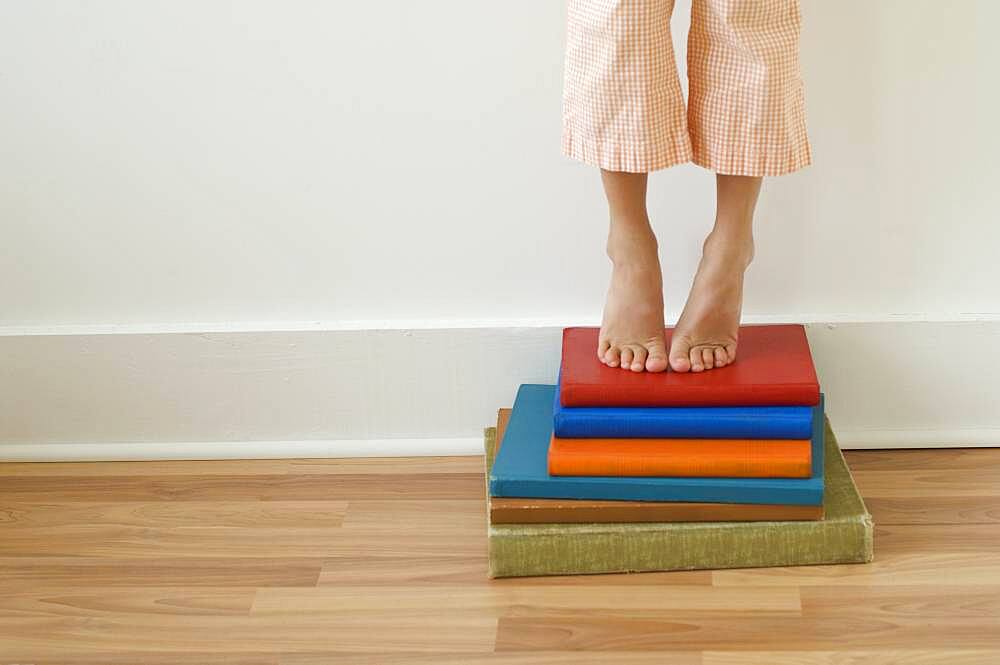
(617, 471)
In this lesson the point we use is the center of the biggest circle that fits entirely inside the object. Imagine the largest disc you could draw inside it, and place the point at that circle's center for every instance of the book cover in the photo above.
(521, 468)
(774, 367)
(844, 535)
(545, 511)
(693, 458)
(693, 422)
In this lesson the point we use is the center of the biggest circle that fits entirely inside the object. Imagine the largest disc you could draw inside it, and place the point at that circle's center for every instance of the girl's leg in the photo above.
(746, 117)
(706, 333)
(632, 328)
(623, 111)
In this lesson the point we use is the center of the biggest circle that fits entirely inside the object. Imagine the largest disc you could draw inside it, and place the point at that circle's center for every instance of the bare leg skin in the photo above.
(705, 336)
(632, 328)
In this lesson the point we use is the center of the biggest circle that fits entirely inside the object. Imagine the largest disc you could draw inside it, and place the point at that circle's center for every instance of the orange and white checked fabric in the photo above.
(623, 107)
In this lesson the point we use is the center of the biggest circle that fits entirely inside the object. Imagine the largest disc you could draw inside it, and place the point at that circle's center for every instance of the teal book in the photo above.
(845, 535)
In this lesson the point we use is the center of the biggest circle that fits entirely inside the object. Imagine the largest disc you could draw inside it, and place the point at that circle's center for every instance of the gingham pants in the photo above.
(623, 109)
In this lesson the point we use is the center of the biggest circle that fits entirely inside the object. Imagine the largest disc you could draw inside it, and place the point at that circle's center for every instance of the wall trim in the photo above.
(413, 392)
(231, 450)
(463, 446)
(856, 439)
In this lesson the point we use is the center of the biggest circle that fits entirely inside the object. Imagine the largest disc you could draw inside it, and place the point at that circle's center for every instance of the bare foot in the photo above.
(632, 328)
(706, 333)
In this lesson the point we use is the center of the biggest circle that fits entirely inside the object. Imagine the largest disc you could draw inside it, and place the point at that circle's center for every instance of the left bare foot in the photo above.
(706, 333)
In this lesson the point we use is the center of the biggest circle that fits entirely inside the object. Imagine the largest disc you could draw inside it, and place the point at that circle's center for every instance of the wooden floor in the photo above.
(383, 561)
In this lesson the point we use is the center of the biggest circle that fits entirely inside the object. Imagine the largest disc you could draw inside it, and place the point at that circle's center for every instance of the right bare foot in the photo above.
(632, 328)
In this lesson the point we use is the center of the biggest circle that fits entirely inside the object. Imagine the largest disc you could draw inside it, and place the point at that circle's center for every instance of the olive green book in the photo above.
(844, 535)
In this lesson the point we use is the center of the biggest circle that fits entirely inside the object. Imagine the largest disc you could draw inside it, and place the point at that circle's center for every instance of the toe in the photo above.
(720, 357)
(602, 348)
(730, 353)
(638, 358)
(656, 356)
(626, 357)
(612, 356)
(679, 358)
(697, 364)
(708, 357)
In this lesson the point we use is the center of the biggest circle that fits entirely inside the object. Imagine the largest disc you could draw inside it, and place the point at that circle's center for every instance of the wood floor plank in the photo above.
(456, 515)
(381, 466)
(494, 600)
(935, 510)
(491, 658)
(920, 601)
(280, 487)
(932, 482)
(77, 656)
(411, 570)
(266, 467)
(921, 459)
(77, 571)
(208, 541)
(166, 514)
(752, 633)
(98, 601)
(899, 656)
(68, 657)
(437, 632)
(938, 538)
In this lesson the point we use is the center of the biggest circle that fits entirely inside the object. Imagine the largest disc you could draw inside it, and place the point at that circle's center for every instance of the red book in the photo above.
(773, 367)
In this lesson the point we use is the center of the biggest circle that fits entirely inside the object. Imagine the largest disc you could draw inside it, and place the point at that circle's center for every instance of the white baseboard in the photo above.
(75, 395)
(860, 439)
(228, 450)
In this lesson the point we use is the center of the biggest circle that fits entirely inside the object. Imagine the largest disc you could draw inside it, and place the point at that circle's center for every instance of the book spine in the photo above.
(802, 492)
(505, 511)
(640, 426)
(624, 396)
(731, 458)
(539, 551)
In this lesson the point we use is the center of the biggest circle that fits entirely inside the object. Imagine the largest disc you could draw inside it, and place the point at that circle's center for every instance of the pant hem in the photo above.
(762, 166)
(613, 157)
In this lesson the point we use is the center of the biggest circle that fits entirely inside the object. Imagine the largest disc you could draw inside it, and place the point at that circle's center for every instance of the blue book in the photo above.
(681, 422)
(521, 468)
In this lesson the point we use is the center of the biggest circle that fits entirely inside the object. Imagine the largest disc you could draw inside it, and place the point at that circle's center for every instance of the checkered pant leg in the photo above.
(623, 109)
(746, 109)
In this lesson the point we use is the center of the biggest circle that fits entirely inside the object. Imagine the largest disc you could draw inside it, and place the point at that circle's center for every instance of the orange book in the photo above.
(735, 458)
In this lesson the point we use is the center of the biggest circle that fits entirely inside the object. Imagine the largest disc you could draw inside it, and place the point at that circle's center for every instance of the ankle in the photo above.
(731, 247)
(634, 245)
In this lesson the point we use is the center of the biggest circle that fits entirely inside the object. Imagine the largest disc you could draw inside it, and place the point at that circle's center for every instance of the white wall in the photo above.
(255, 164)
(170, 161)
